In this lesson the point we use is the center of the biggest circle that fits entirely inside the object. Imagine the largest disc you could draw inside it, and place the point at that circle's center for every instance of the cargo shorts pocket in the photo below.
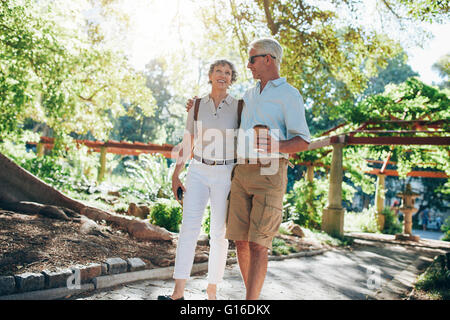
(271, 216)
(227, 214)
(232, 172)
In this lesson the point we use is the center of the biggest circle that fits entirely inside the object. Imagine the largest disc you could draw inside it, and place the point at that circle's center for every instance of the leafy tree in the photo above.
(329, 55)
(396, 72)
(411, 100)
(442, 66)
(57, 75)
(423, 10)
(168, 118)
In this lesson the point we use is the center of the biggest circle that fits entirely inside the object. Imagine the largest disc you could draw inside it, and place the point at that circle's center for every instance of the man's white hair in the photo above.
(269, 46)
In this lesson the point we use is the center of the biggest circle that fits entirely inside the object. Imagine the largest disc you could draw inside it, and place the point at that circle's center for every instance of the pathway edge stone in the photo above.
(111, 280)
(49, 294)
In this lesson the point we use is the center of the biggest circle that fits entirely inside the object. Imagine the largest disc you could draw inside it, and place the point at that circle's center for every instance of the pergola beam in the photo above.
(421, 174)
(439, 141)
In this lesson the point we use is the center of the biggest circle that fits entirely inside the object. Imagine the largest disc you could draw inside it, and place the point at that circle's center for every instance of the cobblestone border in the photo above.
(79, 279)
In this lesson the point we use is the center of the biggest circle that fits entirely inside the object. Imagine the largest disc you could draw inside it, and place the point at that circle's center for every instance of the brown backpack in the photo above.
(240, 107)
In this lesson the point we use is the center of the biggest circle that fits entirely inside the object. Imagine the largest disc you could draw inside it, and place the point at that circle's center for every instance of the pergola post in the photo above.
(102, 169)
(333, 214)
(310, 173)
(379, 199)
(40, 149)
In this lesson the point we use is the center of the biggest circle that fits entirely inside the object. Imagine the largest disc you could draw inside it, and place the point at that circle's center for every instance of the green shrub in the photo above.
(166, 214)
(306, 201)
(391, 223)
(325, 238)
(446, 229)
(206, 224)
(152, 173)
(436, 279)
(280, 247)
(365, 221)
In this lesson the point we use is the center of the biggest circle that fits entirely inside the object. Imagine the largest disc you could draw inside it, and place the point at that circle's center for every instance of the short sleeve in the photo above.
(190, 121)
(295, 118)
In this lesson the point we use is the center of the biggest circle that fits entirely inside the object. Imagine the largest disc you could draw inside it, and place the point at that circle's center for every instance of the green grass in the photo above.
(435, 281)
(325, 238)
(281, 248)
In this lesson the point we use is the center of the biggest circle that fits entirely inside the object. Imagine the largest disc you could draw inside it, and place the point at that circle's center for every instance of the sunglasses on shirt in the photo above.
(252, 58)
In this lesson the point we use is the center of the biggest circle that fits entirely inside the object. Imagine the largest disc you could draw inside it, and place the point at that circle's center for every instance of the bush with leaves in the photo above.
(167, 214)
(365, 221)
(436, 278)
(153, 174)
(391, 223)
(280, 247)
(306, 201)
(446, 229)
(206, 224)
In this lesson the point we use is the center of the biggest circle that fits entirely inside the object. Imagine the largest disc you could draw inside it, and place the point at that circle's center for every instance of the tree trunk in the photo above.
(19, 187)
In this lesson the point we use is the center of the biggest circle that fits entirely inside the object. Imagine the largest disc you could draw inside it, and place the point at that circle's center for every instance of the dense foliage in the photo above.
(411, 100)
(166, 215)
(60, 71)
(54, 73)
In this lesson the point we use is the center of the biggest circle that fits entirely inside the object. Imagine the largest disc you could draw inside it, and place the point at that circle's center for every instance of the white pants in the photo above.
(203, 183)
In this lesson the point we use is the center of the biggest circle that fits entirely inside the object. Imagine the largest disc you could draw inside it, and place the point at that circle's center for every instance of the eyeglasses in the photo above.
(252, 58)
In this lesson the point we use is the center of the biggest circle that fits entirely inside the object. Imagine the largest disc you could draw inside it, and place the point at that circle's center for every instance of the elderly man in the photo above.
(256, 195)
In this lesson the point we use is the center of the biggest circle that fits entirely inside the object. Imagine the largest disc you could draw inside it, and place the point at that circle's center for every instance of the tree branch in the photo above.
(274, 27)
(90, 99)
(388, 6)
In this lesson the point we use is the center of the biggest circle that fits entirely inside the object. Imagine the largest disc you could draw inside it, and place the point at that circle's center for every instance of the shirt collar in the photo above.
(228, 99)
(278, 81)
(275, 83)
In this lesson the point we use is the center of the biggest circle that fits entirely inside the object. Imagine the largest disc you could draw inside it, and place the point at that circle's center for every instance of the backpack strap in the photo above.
(240, 107)
(196, 107)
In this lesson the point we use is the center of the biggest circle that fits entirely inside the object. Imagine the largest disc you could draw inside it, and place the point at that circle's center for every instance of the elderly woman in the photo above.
(210, 132)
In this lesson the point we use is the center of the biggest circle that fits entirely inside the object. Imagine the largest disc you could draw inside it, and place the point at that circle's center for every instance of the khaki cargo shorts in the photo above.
(255, 206)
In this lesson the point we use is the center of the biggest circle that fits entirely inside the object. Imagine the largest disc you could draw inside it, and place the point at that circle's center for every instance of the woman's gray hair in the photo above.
(223, 62)
(269, 46)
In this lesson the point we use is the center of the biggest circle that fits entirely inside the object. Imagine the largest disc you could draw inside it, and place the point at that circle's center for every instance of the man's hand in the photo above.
(265, 143)
(190, 103)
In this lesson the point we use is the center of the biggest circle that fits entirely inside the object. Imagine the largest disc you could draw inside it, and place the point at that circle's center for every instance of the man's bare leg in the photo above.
(257, 270)
(243, 255)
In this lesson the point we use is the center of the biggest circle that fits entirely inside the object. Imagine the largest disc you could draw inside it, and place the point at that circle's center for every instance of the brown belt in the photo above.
(215, 162)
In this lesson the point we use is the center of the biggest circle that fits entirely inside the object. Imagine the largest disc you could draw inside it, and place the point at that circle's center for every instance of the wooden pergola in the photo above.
(418, 132)
(115, 147)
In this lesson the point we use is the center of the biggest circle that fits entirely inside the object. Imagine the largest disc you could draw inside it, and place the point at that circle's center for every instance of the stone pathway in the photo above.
(366, 271)
(429, 234)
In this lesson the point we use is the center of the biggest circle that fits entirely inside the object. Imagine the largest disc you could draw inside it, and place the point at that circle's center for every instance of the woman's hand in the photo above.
(176, 183)
(190, 103)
